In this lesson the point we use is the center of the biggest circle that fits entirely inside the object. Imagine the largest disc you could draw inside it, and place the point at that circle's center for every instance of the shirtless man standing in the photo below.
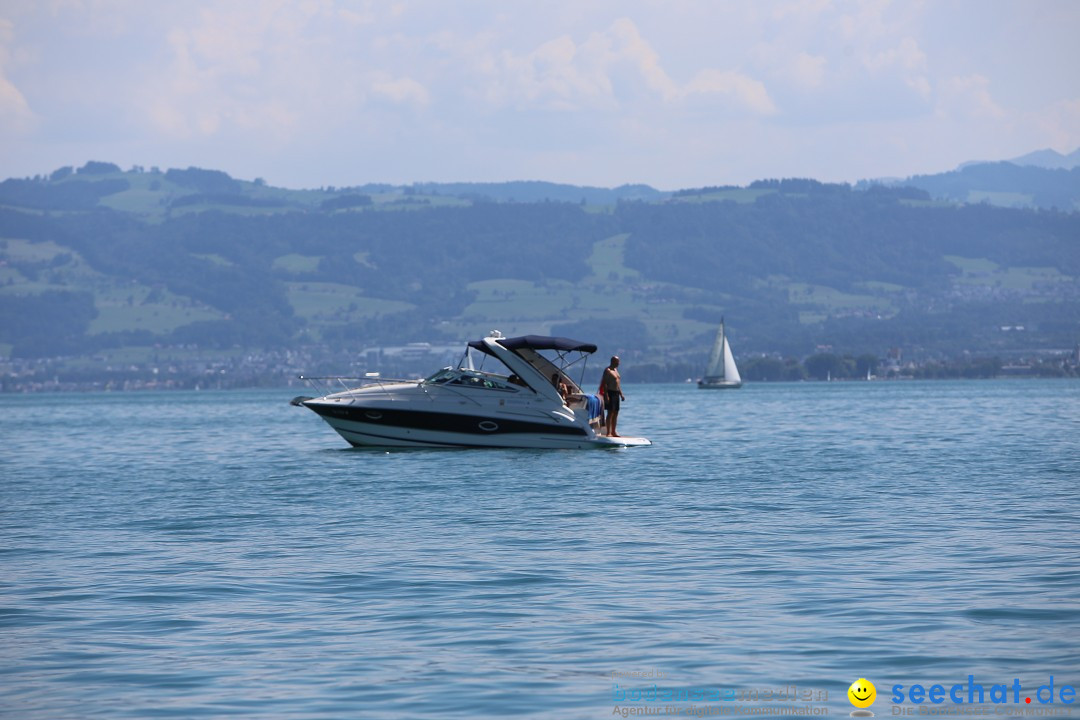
(613, 394)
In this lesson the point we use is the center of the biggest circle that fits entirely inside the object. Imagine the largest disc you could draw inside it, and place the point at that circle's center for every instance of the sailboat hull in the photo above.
(718, 385)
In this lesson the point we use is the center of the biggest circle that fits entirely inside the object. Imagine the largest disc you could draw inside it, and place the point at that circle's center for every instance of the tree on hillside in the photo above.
(206, 181)
(823, 366)
(98, 168)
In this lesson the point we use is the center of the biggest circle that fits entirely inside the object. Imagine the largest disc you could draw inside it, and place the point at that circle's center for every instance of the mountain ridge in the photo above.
(1047, 158)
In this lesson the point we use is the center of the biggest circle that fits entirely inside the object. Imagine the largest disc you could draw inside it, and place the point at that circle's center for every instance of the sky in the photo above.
(672, 93)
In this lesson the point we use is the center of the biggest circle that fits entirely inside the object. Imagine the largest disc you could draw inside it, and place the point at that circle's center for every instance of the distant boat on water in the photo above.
(721, 373)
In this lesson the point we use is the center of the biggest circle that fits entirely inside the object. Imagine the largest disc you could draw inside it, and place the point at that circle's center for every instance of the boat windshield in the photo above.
(471, 378)
(442, 376)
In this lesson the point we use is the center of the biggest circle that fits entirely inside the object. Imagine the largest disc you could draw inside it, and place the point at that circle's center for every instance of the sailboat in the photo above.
(721, 374)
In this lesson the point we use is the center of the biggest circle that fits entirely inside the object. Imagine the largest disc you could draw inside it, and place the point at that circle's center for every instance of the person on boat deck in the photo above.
(611, 384)
(563, 388)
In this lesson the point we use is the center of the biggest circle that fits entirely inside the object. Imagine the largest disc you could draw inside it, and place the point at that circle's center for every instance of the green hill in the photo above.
(96, 260)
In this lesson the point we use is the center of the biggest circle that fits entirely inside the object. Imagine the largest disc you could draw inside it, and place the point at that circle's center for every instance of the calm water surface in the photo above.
(225, 555)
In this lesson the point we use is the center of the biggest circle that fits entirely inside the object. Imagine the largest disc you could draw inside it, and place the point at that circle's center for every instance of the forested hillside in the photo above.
(1007, 185)
(1044, 179)
(97, 259)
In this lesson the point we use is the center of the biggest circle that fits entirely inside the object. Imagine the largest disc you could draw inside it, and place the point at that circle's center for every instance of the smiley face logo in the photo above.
(862, 693)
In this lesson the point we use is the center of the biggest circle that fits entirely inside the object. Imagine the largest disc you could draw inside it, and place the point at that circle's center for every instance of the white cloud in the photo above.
(881, 36)
(15, 113)
(1057, 126)
(907, 60)
(967, 98)
(905, 56)
(264, 70)
(563, 75)
(616, 69)
(402, 91)
(800, 11)
(355, 17)
(807, 71)
(556, 77)
(865, 23)
(631, 49)
(735, 88)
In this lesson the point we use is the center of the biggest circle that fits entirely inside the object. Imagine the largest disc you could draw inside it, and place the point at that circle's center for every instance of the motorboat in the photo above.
(528, 401)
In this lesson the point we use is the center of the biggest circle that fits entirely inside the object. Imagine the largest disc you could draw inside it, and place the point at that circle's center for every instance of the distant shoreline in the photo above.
(73, 388)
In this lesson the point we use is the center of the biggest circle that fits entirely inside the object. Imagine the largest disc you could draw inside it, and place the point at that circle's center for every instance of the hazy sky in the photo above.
(670, 93)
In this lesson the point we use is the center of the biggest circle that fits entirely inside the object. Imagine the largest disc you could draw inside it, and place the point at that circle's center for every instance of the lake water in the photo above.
(192, 555)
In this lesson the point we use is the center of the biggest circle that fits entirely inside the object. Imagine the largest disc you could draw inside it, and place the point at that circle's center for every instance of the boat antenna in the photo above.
(465, 363)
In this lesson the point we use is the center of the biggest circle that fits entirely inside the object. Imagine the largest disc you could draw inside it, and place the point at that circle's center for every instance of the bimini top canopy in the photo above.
(537, 342)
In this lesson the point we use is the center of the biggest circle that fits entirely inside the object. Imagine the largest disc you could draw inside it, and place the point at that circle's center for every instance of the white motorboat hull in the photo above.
(363, 425)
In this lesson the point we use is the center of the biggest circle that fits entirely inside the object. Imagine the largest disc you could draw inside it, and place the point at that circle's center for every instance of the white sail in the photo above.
(731, 372)
(717, 361)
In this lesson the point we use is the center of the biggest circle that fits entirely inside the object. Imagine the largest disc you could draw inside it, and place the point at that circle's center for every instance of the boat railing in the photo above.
(325, 384)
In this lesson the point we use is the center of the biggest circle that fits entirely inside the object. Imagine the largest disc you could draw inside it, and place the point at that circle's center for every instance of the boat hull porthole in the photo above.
(488, 426)
(373, 415)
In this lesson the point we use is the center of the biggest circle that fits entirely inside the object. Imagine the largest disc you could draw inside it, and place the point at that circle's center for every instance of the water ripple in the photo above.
(170, 560)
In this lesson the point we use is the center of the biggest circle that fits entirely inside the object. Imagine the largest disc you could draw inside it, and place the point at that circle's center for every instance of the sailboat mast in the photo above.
(723, 343)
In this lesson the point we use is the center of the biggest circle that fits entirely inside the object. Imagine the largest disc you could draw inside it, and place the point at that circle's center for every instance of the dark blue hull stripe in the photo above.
(442, 422)
(372, 440)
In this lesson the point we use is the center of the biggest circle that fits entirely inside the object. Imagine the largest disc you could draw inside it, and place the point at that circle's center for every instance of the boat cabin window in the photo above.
(471, 379)
(442, 376)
